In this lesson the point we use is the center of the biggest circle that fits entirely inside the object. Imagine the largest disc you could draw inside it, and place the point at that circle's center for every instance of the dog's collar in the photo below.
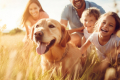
(64, 54)
(66, 51)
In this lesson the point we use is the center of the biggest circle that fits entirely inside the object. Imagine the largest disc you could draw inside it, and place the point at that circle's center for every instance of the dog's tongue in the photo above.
(41, 48)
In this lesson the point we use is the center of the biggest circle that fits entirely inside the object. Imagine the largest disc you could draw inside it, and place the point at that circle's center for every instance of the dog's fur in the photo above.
(62, 53)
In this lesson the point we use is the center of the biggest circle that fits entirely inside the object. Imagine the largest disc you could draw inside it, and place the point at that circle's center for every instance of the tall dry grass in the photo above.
(18, 62)
(21, 62)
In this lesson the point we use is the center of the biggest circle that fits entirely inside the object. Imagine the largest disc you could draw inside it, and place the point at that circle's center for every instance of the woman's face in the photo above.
(34, 10)
(77, 3)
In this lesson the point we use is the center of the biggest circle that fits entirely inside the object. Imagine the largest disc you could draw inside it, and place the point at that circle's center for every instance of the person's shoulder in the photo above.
(85, 30)
(28, 22)
(91, 3)
(69, 5)
(44, 14)
(115, 37)
(95, 33)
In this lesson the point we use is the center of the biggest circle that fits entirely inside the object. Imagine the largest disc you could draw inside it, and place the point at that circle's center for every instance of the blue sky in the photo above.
(11, 10)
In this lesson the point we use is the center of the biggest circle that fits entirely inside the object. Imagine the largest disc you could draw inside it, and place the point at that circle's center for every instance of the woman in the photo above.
(31, 15)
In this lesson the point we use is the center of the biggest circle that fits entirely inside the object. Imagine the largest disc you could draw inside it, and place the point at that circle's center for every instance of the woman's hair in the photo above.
(114, 15)
(92, 11)
(26, 13)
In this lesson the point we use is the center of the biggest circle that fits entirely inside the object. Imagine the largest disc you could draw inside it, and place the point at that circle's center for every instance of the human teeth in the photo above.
(78, 3)
(34, 14)
(104, 30)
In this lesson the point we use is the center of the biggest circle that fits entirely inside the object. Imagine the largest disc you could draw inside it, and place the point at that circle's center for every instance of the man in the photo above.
(72, 14)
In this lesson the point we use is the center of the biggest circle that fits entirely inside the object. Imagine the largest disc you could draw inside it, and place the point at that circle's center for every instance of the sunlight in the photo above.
(11, 10)
(10, 14)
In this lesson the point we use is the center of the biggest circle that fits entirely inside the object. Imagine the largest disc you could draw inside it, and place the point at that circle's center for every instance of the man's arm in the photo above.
(65, 22)
(80, 29)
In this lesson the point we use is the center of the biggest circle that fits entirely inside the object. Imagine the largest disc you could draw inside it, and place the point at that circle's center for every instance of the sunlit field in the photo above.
(17, 61)
(21, 62)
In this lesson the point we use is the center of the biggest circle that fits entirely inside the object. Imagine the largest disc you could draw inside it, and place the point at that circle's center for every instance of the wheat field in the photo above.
(19, 61)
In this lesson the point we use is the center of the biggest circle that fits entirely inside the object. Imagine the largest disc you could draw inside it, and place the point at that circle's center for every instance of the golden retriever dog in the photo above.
(56, 51)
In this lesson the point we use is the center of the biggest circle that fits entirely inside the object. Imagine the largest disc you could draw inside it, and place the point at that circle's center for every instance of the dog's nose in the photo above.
(38, 34)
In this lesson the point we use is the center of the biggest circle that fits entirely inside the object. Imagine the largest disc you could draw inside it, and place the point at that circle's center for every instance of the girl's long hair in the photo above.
(26, 13)
(114, 15)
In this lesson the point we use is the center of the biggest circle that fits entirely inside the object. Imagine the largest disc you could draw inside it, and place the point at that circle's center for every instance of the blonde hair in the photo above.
(114, 15)
(89, 12)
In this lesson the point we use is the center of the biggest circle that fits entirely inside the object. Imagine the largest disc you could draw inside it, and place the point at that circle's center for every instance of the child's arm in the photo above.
(84, 47)
(83, 40)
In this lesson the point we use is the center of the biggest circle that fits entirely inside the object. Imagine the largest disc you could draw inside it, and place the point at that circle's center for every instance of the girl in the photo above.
(105, 38)
(33, 12)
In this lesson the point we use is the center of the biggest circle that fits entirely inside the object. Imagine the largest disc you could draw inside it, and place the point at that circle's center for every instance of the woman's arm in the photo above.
(64, 22)
(27, 29)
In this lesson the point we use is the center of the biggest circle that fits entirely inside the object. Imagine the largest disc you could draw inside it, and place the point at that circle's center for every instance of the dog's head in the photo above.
(48, 33)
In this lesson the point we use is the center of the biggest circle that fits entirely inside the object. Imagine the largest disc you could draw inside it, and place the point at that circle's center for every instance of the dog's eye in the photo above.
(51, 26)
(37, 26)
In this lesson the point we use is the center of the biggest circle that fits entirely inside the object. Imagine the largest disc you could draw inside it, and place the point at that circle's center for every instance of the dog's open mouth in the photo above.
(44, 47)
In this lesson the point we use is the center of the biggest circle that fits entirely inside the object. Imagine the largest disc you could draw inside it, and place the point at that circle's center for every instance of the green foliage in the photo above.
(15, 31)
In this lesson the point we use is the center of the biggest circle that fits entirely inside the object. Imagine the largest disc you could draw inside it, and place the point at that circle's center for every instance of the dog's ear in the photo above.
(32, 33)
(65, 36)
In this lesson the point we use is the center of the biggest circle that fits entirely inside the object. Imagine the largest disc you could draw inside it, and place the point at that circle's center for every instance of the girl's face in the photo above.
(107, 26)
(89, 22)
(34, 10)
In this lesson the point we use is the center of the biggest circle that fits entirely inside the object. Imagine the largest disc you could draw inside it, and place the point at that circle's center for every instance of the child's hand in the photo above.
(84, 55)
(84, 58)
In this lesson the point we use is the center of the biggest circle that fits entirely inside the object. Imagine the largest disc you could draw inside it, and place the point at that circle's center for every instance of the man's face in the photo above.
(77, 3)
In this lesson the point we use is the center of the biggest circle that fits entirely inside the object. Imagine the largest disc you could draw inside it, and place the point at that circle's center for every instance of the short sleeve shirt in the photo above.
(86, 34)
(102, 49)
(70, 14)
